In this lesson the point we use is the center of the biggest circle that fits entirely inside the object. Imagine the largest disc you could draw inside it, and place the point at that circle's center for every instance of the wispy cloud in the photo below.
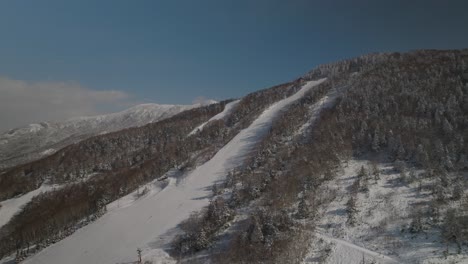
(202, 100)
(23, 102)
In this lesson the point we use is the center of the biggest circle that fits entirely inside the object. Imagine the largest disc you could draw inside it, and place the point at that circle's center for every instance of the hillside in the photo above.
(358, 161)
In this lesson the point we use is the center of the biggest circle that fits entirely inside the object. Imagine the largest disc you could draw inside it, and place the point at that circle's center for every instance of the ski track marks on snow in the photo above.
(147, 222)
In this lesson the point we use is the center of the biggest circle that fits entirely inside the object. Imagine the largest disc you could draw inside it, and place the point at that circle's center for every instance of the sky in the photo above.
(64, 58)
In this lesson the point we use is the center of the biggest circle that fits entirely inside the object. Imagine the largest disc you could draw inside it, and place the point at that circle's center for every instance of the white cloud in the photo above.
(202, 100)
(23, 102)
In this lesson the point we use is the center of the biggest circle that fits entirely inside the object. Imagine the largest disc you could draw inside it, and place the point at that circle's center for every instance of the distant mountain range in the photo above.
(24, 144)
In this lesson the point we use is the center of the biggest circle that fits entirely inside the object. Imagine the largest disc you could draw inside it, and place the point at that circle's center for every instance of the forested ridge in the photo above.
(408, 109)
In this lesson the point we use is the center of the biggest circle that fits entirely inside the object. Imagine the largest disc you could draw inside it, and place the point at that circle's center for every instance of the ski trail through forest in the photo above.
(147, 222)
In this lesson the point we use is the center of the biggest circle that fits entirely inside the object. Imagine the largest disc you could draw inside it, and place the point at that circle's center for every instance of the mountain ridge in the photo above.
(28, 143)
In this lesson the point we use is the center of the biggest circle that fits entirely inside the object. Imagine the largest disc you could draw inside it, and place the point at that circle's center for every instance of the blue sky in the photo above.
(174, 51)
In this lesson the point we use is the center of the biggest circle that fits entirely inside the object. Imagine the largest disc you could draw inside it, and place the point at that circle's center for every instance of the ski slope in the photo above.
(227, 110)
(148, 222)
(12, 206)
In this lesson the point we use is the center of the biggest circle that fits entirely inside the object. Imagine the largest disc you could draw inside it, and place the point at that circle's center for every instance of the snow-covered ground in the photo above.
(149, 221)
(227, 110)
(344, 252)
(383, 214)
(12, 206)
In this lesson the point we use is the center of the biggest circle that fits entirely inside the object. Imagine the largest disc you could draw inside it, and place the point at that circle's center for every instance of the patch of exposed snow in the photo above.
(34, 128)
(48, 152)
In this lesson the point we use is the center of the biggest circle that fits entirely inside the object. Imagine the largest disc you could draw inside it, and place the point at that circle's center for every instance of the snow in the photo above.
(227, 110)
(157, 256)
(346, 252)
(48, 152)
(12, 206)
(35, 128)
(343, 241)
(149, 222)
(382, 214)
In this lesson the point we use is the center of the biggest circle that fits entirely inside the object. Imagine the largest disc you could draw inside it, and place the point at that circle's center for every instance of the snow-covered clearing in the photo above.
(149, 222)
(380, 234)
(345, 252)
(227, 110)
(12, 206)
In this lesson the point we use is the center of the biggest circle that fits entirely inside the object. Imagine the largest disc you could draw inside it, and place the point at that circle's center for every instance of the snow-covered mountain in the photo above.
(31, 142)
(358, 161)
(177, 201)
